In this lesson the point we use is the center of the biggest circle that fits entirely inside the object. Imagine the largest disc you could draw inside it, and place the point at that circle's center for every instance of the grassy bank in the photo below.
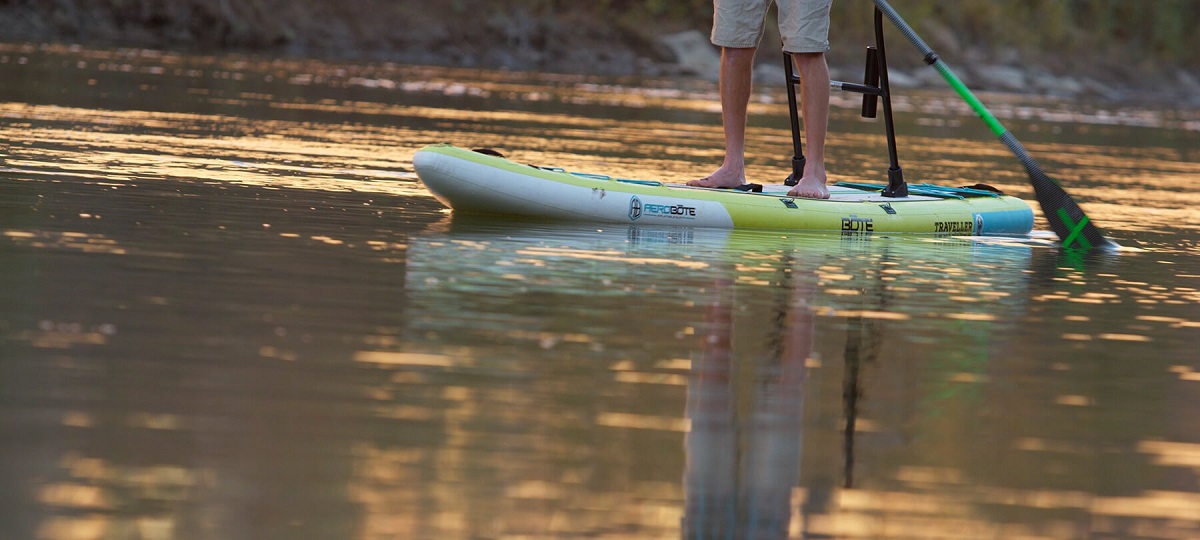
(1120, 40)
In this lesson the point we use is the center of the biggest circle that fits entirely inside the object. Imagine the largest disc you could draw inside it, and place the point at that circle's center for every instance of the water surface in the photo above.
(229, 310)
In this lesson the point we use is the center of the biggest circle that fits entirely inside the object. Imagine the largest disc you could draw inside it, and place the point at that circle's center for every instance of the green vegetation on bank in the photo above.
(1151, 31)
(1058, 34)
(1157, 31)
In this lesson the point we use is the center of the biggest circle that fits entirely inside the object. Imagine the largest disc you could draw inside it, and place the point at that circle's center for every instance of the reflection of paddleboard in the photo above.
(474, 258)
(472, 182)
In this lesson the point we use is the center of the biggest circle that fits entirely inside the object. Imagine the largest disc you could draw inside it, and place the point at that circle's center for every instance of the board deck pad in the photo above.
(836, 193)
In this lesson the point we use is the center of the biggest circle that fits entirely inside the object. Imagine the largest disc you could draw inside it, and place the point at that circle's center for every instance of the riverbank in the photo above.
(521, 36)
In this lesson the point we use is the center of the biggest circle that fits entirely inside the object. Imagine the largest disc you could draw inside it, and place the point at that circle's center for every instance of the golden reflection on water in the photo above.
(915, 501)
(492, 463)
(303, 154)
(295, 155)
(66, 240)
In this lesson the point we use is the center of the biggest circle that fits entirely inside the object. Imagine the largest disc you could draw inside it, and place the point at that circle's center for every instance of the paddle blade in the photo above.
(1066, 218)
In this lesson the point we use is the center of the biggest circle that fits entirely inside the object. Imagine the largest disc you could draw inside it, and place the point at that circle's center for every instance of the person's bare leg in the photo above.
(814, 104)
(737, 66)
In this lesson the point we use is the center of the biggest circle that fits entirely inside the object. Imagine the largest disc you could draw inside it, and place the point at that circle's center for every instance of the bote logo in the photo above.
(855, 224)
(635, 208)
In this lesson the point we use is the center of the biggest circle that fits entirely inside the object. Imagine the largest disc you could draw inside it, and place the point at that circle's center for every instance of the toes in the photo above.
(808, 194)
(710, 182)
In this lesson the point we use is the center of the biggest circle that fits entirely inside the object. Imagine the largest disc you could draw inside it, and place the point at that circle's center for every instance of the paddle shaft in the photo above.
(1066, 218)
(937, 63)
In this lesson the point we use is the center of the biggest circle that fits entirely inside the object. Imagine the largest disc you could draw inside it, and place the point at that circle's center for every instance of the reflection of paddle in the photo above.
(1066, 218)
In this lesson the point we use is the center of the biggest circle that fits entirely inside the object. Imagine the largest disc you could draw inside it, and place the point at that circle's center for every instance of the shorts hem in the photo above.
(735, 44)
(805, 50)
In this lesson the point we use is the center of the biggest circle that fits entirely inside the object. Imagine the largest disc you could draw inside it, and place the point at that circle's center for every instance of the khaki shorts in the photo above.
(803, 24)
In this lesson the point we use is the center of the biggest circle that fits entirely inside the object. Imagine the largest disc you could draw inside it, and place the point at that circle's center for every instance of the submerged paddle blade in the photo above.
(1066, 218)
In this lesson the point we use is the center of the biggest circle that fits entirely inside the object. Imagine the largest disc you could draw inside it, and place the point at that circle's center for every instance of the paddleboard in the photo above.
(472, 182)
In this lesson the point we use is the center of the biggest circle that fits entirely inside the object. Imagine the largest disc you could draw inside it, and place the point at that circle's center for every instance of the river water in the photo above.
(228, 309)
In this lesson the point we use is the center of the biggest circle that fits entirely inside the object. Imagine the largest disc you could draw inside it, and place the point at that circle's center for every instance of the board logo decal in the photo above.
(638, 209)
(954, 227)
(672, 211)
(855, 224)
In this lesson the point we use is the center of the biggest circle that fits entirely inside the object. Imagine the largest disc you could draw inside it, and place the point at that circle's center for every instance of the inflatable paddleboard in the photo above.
(473, 182)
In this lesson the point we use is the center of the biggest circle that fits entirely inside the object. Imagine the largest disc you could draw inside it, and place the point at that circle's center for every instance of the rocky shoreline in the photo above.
(566, 42)
(693, 58)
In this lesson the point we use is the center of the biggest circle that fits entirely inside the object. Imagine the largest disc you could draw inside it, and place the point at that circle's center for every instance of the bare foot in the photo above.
(722, 178)
(810, 188)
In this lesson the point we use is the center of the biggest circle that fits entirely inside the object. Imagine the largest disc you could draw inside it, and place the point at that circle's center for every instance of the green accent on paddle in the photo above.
(969, 97)
(1076, 230)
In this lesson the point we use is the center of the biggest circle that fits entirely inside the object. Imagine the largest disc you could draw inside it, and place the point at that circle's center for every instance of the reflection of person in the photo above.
(738, 29)
(741, 468)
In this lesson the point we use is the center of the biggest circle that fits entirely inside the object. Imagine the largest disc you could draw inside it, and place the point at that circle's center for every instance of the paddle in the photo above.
(1066, 218)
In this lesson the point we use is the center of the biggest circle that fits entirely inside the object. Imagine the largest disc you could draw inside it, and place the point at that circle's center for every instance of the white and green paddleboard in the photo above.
(476, 183)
